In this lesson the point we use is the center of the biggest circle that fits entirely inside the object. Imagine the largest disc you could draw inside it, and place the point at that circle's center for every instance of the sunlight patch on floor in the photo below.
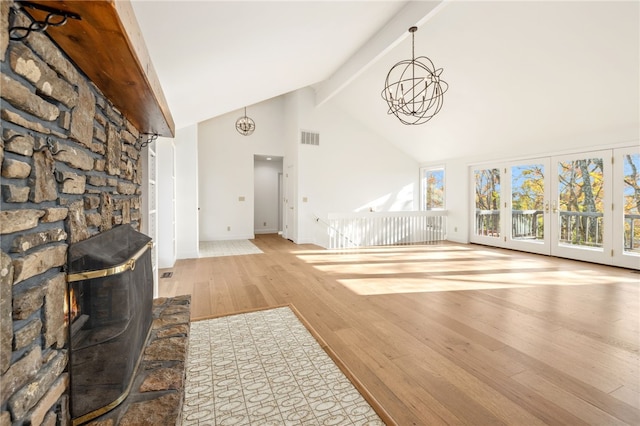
(391, 284)
(434, 268)
(378, 286)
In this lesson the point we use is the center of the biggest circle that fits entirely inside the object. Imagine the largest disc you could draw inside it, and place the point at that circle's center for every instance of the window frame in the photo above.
(424, 170)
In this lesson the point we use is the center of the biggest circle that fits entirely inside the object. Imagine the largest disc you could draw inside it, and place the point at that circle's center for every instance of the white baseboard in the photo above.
(266, 231)
(306, 241)
(461, 240)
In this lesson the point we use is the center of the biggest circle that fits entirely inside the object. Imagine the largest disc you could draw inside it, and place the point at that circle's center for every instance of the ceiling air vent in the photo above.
(309, 138)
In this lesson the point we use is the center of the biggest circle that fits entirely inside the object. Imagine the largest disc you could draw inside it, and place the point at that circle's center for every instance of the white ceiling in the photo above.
(521, 74)
(213, 57)
(524, 78)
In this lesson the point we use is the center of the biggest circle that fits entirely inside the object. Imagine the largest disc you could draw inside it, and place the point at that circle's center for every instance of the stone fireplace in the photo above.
(108, 310)
(70, 170)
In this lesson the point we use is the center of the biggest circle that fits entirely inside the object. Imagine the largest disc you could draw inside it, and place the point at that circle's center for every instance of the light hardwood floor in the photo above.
(448, 333)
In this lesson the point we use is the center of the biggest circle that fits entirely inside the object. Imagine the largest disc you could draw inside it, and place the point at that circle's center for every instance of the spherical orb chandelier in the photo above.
(413, 88)
(245, 125)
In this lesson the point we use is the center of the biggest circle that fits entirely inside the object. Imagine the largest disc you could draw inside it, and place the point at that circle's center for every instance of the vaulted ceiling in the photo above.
(213, 57)
(520, 73)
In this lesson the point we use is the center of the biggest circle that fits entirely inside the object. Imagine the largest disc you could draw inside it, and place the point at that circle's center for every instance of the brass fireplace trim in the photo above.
(100, 273)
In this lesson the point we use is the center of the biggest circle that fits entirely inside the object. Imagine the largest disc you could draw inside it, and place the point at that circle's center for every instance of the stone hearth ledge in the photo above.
(157, 393)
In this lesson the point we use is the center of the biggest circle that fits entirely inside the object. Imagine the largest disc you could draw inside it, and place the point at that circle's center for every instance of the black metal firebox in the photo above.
(109, 311)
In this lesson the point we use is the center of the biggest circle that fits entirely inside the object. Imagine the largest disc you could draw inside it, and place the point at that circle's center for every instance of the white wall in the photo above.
(266, 196)
(186, 143)
(353, 169)
(165, 163)
(457, 200)
(226, 169)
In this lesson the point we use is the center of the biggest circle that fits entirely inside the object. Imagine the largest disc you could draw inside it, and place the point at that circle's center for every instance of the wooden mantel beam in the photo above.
(107, 45)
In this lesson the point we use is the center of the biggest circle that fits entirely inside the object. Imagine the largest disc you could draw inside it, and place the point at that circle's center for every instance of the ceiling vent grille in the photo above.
(309, 138)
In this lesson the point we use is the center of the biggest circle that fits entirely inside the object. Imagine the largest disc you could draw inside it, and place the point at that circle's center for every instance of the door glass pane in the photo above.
(527, 202)
(580, 202)
(487, 184)
(631, 203)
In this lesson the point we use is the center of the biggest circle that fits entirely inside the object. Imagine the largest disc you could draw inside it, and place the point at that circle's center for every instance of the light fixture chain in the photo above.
(413, 70)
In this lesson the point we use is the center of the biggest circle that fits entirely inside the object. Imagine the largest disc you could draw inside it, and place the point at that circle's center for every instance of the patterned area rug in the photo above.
(266, 368)
(227, 248)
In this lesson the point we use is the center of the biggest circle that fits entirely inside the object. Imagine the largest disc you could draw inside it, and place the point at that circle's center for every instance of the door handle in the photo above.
(555, 209)
(546, 207)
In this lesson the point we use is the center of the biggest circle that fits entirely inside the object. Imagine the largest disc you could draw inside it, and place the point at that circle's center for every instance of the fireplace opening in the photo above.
(71, 307)
(109, 313)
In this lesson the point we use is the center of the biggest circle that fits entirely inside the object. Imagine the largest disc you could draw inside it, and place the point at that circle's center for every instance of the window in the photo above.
(432, 188)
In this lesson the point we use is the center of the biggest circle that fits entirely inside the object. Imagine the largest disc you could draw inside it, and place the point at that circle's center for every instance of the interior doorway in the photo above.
(267, 174)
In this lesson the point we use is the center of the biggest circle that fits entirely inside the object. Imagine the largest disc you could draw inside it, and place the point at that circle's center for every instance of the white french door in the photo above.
(512, 205)
(581, 219)
(488, 212)
(626, 207)
(528, 195)
(581, 206)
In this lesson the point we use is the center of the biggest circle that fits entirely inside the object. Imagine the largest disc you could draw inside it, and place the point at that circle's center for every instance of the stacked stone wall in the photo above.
(69, 170)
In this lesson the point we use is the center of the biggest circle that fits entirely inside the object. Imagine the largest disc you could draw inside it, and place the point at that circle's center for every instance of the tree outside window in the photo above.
(432, 188)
